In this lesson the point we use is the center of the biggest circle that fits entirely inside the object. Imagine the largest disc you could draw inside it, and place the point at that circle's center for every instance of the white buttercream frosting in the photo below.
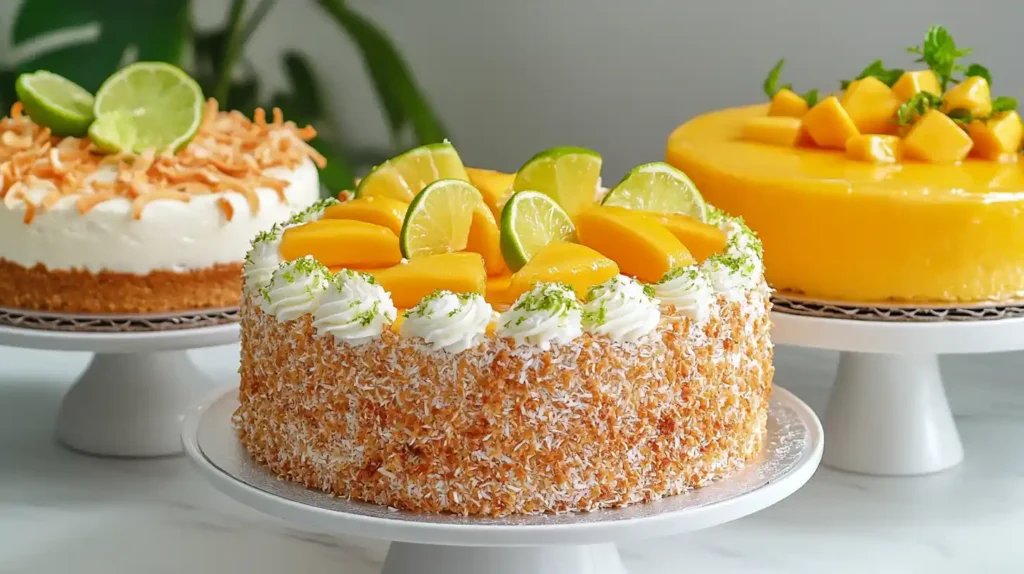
(312, 213)
(295, 288)
(548, 313)
(732, 275)
(448, 321)
(262, 260)
(354, 308)
(689, 289)
(621, 308)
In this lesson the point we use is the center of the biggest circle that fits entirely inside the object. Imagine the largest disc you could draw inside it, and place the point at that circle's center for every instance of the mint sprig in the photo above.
(916, 107)
(979, 70)
(771, 85)
(878, 70)
(1004, 104)
(939, 51)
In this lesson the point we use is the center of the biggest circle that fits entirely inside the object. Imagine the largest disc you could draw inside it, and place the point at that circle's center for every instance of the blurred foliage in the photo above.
(163, 30)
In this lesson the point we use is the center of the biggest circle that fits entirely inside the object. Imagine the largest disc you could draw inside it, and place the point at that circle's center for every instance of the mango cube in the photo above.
(997, 137)
(912, 83)
(701, 239)
(829, 125)
(495, 186)
(578, 266)
(873, 148)
(937, 139)
(787, 103)
(972, 95)
(871, 105)
(342, 243)
(456, 272)
(376, 209)
(773, 130)
(641, 249)
(485, 239)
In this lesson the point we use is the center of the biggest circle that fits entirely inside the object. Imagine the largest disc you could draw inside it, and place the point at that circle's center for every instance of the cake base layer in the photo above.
(75, 291)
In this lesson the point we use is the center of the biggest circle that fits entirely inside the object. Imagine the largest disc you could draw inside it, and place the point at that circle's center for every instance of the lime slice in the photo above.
(113, 132)
(161, 102)
(530, 221)
(568, 175)
(404, 176)
(55, 102)
(657, 186)
(439, 218)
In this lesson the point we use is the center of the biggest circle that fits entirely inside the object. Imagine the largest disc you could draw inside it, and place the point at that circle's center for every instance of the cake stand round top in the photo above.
(793, 448)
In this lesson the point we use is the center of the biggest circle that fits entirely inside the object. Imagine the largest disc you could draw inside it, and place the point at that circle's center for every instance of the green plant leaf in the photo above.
(1003, 104)
(979, 70)
(307, 95)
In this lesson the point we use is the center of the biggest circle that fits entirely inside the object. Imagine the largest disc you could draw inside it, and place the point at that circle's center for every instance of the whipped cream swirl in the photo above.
(295, 288)
(312, 213)
(732, 275)
(449, 322)
(548, 313)
(262, 259)
(689, 290)
(621, 308)
(354, 308)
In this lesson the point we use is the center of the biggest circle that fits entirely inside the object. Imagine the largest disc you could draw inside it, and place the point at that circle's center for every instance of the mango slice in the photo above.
(376, 209)
(342, 243)
(773, 130)
(699, 238)
(640, 248)
(409, 282)
(495, 186)
(912, 83)
(485, 239)
(498, 290)
(829, 125)
(998, 138)
(871, 105)
(937, 139)
(872, 148)
(972, 95)
(786, 103)
(576, 265)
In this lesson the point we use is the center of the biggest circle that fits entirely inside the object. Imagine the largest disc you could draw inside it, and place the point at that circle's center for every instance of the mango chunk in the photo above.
(700, 239)
(871, 105)
(376, 209)
(640, 248)
(787, 103)
(912, 83)
(498, 290)
(409, 282)
(874, 148)
(342, 243)
(996, 138)
(773, 130)
(485, 239)
(972, 95)
(829, 125)
(576, 265)
(495, 186)
(937, 139)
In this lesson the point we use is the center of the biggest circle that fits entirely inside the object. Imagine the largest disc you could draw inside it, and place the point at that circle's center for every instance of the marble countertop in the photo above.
(65, 512)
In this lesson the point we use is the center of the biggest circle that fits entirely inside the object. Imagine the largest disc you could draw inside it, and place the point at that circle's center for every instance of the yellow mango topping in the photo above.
(576, 265)
(937, 139)
(456, 272)
(997, 138)
(773, 130)
(639, 247)
(376, 209)
(874, 148)
(871, 105)
(700, 239)
(498, 290)
(972, 95)
(342, 243)
(787, 103)
(912, 83)
(495, 186)
(829, 125)
(485, 239)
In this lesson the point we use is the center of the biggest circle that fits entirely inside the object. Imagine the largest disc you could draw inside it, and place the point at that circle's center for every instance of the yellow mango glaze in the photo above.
(839, 229)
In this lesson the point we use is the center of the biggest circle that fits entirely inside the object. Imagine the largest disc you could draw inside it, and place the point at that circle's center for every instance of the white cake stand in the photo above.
(547, 544)
(888, 414)
(131, 398)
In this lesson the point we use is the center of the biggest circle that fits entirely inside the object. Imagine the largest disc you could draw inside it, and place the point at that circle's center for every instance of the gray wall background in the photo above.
(512, 77)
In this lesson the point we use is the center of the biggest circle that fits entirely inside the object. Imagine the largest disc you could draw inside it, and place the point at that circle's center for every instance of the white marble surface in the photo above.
(63, 512)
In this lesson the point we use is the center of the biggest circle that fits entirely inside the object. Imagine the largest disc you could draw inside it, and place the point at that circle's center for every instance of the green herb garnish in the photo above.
(1003, 104)
(980, 71)
(961, 116)
(939, 51)
(811, 97)
(878, 70)
(772, 87)
(916, 107)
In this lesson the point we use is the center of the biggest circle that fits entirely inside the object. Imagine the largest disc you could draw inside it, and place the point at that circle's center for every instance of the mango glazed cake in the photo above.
(467, 341)
(905, 186)
(141, 200)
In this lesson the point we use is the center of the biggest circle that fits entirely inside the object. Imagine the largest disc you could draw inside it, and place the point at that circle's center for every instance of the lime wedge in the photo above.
(161, 102)
(568, 175)
(439, 218)
(657, 186)
(530, 221)
(55, 102)
(404, 176)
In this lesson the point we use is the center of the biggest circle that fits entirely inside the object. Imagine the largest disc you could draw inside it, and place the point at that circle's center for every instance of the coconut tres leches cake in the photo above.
(465, 341)
(142, 200)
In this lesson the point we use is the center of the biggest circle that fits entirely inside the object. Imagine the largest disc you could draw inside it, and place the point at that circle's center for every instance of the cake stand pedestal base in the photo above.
(405, 558)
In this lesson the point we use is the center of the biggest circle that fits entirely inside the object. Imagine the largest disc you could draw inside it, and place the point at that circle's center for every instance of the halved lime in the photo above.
(658, 186)
(163, 104)
(530, 221)
(568, 175)
(439, 218)
(404, 176)
(113, 132)
(55, 102)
